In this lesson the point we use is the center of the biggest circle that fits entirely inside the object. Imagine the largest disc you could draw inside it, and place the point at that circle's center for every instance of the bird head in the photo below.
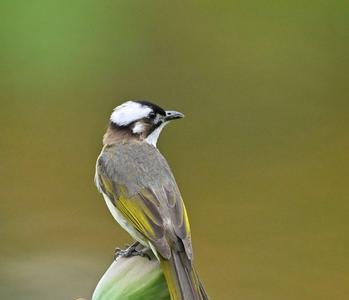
(142, 120)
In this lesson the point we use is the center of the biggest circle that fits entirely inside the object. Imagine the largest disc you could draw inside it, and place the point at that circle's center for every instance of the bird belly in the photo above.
(124, 223)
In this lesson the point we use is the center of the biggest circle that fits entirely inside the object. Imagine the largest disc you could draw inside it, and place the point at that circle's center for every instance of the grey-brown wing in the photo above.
(138, 180)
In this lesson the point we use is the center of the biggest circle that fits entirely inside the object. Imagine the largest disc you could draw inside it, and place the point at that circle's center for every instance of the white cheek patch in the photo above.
(157, 119)
(129, 112)
(139, 127)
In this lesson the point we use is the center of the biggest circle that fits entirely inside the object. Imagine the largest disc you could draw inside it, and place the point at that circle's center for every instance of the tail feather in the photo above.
(203, 293)
(182, 280)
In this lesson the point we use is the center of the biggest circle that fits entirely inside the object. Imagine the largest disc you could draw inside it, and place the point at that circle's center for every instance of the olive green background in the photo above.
(261, 157)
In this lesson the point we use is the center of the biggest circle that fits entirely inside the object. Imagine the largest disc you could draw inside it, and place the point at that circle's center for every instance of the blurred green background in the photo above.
(261, 158)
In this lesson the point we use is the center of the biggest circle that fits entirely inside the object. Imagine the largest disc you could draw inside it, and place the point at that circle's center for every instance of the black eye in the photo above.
(152, 115)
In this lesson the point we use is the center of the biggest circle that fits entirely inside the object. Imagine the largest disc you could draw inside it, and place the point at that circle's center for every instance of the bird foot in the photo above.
(135, 249)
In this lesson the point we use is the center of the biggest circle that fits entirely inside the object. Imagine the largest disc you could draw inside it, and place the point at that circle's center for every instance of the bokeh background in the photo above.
(261, 158)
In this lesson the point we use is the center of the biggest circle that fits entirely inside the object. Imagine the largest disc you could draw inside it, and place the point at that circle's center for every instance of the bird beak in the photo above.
(173, 115)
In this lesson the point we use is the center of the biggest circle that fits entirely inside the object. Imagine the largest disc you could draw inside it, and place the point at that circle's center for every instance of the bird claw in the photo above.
(141, 253)
(132, 251)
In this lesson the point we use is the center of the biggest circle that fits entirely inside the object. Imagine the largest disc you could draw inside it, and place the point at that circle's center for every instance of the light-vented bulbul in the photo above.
(142, 195)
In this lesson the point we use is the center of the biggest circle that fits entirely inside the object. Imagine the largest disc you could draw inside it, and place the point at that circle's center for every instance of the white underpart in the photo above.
(153, 137)
(129, 112)
(124, 223)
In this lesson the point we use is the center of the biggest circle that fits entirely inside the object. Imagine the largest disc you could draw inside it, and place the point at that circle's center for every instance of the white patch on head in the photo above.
(153, 137)
(139, 127)
(157, 118)
(129, 112)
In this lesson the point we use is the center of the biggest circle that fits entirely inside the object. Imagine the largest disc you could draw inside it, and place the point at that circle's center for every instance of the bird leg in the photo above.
(125, 252)
(136, 249)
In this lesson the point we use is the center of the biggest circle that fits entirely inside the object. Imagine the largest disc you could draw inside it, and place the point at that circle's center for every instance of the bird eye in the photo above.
(152, 115)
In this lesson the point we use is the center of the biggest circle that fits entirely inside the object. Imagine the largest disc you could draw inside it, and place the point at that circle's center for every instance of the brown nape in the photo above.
(124, 134)
(119, 135)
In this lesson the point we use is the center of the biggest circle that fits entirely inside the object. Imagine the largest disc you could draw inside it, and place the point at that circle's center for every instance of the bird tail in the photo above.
(182, 280)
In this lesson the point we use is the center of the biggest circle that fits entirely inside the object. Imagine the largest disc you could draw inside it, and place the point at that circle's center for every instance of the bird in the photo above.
(142, 195)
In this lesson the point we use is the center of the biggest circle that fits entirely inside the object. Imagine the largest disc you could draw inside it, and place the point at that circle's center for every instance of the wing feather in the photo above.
(155, 210)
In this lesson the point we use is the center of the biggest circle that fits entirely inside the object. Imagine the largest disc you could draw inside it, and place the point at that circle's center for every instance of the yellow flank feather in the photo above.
(107, 186)
(186, 220)
(136, 212)
(170, 278)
